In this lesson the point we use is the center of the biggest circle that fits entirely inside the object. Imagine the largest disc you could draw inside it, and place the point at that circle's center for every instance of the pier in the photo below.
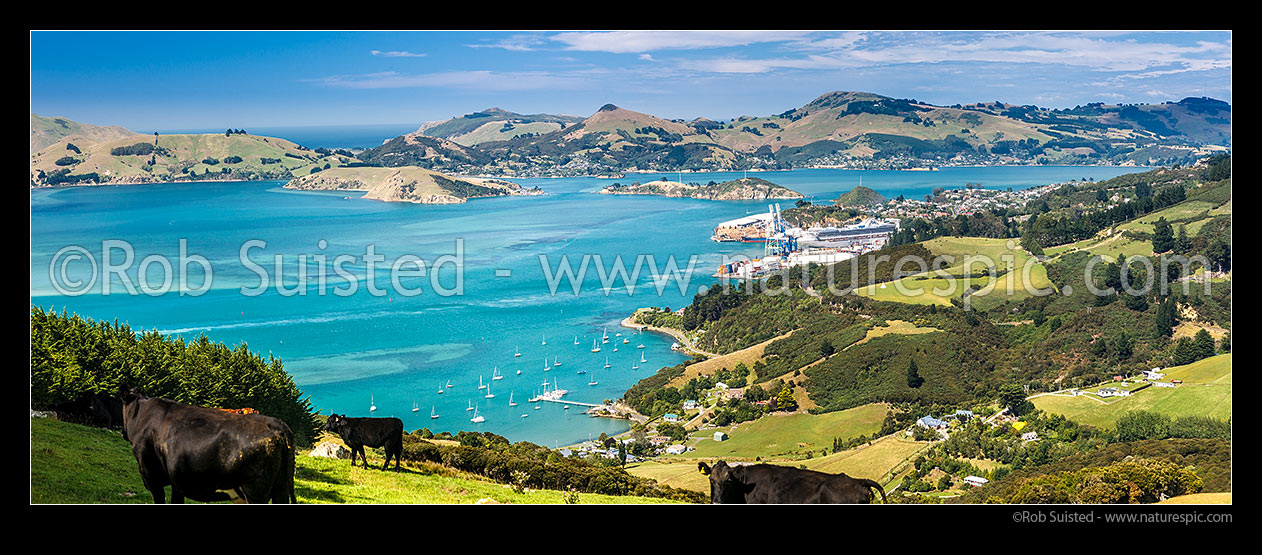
(563, 401)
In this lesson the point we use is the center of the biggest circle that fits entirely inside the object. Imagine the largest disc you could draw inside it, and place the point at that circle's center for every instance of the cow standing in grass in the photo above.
(768, 483)
(207, 454)
(372, 432)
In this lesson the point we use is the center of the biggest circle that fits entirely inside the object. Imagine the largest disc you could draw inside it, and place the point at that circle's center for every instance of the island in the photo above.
(748, 188)
(408, 184)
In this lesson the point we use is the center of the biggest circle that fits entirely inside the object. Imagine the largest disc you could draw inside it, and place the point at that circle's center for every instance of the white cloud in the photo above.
(515, 43)
(398, 54)
(632, 42)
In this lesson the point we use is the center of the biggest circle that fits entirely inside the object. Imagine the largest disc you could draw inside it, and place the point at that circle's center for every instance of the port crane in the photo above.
(779, 242)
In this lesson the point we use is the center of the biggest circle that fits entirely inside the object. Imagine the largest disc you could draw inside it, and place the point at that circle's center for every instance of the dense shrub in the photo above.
(72, 356)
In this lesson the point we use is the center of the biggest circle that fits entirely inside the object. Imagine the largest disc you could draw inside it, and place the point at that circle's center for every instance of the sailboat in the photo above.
(415, 407)
(595, 346)
(642, 359)
(480, 384)
(511, 402)
(604, 336)
(477, 418)
(470, 407)
(606, 362)
(496, 374)
(516, 352)
(640, 346)
(546, 366)
(448, 384)
(519, 371)
(432, 414)
(372, 405)
(626, 340)
(593, 382)
(581, 371)
(489, 395)
(545, 340)
(441, 389)
(557, 362)
(576, 340)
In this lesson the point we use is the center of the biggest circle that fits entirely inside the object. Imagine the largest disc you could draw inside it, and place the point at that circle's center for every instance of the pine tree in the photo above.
(914, 380)
(1204, 344)
(1162, 236)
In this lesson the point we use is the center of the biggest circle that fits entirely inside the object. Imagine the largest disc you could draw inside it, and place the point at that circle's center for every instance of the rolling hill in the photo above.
(45, 131)
(749, 188)
(156, 159)
(849, 129)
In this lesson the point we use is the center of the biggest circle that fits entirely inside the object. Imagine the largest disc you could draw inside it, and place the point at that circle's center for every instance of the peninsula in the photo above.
(408, 184)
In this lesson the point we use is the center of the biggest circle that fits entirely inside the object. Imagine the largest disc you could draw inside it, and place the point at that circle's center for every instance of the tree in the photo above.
(1123, 347)
(785, 400)
(155, 138)
(1013, 397)
(1166, 317)
(1162, 236)
(914, 380)
(1181, 243)
(1185, 352)
(1204, 344)
(826, 348)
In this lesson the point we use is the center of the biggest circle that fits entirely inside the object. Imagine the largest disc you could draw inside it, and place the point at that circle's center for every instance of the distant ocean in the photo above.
(398, 352)
(326, 136)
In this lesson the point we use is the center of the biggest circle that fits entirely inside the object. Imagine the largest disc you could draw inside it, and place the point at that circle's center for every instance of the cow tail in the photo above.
(874, 484)
(293, 471)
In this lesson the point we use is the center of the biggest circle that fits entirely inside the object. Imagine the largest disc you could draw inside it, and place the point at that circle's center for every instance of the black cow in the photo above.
(373, 432)
(107, 411)
(768, 483)
(206, 454)
(91, 409)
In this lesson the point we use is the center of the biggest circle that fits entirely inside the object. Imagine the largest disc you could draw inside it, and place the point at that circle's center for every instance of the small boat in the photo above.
(415, 407)
(545, 340)
(489, 395)
(640, 346)
(477, 418)
(519, 371)
(516, 352)
(566, 407)
(537, 407)
(523, 415)
(595, 346)
(432, 414)
(642, 359)
(626, 340)
(581, 372)
(470, 407)
(441, 389)
(606, 362)
(496, 374)
(511, 402)
(557, 362)
(576, 340)
(593, 382)
(372, 405)
(635, 367)
(448, 384)
(546, 366)
(619, 334)
(615, 349)
(480, 384)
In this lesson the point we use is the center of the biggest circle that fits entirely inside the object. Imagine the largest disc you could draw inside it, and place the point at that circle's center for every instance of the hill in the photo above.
(46, 131)
(166, 158)
(749, 188)
(494, 124)
(408, 184)
(860, 196)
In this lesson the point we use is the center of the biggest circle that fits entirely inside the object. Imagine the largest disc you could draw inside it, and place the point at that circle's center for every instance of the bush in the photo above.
(72, 356)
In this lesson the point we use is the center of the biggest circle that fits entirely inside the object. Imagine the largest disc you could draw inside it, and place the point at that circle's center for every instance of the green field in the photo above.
(780, 435)
(1206, 391)
(933, 287)
(1182, 211)
(71, 463)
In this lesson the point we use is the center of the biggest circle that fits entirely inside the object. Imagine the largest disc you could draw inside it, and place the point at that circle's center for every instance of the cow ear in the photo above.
(704, 468)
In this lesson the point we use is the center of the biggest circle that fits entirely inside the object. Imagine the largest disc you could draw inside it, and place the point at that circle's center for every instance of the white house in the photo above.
(1029, 436)
(675, 449)
(690, 404)
(1164, 384)
(720, 436)
(1154, 374)
(975, 481)
(1113, 392)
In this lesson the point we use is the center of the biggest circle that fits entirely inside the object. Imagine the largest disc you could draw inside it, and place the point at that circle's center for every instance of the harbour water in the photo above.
(397, 350)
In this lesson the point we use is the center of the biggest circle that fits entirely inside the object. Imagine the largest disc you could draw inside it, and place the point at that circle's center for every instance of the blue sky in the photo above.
(189, 80)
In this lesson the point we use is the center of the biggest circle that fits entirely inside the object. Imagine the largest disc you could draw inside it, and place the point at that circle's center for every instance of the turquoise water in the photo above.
(397, 351)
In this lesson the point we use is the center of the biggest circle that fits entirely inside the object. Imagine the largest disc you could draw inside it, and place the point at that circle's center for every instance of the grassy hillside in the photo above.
(407, 184)
(46, 131)
(71, 463)
(177, 157)
(1206, 391)
(780, 435)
